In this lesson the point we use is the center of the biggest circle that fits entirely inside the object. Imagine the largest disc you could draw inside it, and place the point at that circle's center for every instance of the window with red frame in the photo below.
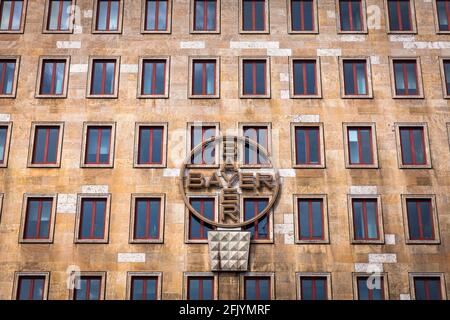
(38, 218)
(310, 219)
(427, 288)
(351, 15)
(30, 288)
(200, 288)
(257, 288)
(7, 70)
(399, 12)
(254, 77)
(259, 135)
(89, 288)
(92, 219)
(307, 146)
(107, 15)
(154, 77)
(52, 77)
(355, 77)
(443, 14)
(150, 145)
(103, 74)
(302, 15)
(305, 82)
(204, 77)
(156, 15)
(406, 78)
(147, 218)
(3, 146)
(365, 219)
(420, 219)
(59, 15)
(11, 15)
(205, 154)
(198, 229)
(254, 15)
(360, 145)
(45, 149)
(259, 230)
(370, 288)
(205, 12)
(144, 288)
(98, 145)
(314, 288)
(446, 64)
(412, 140)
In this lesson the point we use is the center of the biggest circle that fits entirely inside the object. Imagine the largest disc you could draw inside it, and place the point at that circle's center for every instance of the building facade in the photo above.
(349, 98)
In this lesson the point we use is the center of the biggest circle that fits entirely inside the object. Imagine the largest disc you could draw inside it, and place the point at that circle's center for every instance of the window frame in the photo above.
(368, 75)
(187, 216)
(19, 274)
(144, 59)
(162, 210)
(101, 274)
(138, 127)
(412, 18)
(351, 125)
(156, 274)
(267, 94)
(188, 275)
(192, 19)
(144, 19)
(442, 60)
(16, 60)
(266, 19)
(440, 275)
(192, 60)
(95, 12)
(31, 148)
(300, 275)
(315, 19)
(363, 19)
(424, 126)
(94, 59)
(21, 30)
(436, 20)
(384, 283)
(268, 125)
(419, 78)
(2, 196)
(191, 125)
(380, 226)
(45, 24)
(24, 214)
(244, 276)
(52, 59)
(100, 196)
(292, 61)
(448, 134)
(8, 125)
(269, 215)
(86, 126)
(325, 224)
(322, 164)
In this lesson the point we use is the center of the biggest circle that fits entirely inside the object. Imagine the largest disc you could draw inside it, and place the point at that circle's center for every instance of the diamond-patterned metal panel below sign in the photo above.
(228, 250)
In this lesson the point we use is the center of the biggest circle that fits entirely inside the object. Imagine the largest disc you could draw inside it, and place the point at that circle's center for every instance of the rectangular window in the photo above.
(92, 219)
(59, 15)
(153, 77)
(406, 78)
(260, 230)
(365, 219)
(156, 15)
(30, 287)
(443, 14)
(314, 288)
(151, 144)
(302, 15)
(90, 288)
(7, 76)
(205, 15)
(412, 142)
(206, 155)
(257, 288)
(360, 145)
(11, 15)
(254, 77)
(310, 219)
(46, 143)
(38, 218)
(351, 16)
(428, 288)
(98, 145)
(144, 288)
(446, 76)
(52, 80)
(204, 77)
(108, 15)
(304, 73)
(307, 145)
(259, 135)
(200, 288)
(4, 137)
(370, 289)
(198, 229)
(103, 77)
(147, 218)
(420, 219)
(400, 15)
(355, 78)
(254, 16)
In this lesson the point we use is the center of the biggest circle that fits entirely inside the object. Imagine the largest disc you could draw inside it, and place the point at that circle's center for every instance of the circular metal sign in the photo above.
(231, 168)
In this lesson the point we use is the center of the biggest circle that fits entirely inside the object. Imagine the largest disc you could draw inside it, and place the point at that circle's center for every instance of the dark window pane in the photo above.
(99, 221)
(97, 78)
(427, 219)
(370, 290)
(264, 289)
(313, 288)
(247, 15)
(59, 15)
(102, 15)
(151, 15)
(260, 77)
(109, 78)
(147, 87)
(92, 219)
(400, 87)
(104, 145)
(420, 219)
(153, 81)
(447, 76)
(7, 68)
(399, 15)
(300, 142)
(427, 288)
(406, 146)
(361, 78)
(194, 289)
(317, 219)
(89, 289)
(405, 15)
(198, 78)
(160, 77)
(419, 148)
(350, 15)
(248, 78)
(37, 224)
(366, 145)
(199, 15)
(254, 77)
(11, 15)
(30, 288)
(252, 154)
(47, 75)
(304, 77)
(307, 285)
(349, 78)
(372, 221)
(211, 15)
(252, 207)
(345, 15)
(197, 228)
(259, 15)
(156, 15)
(443, 13)
(141, 219)
(114, 15)
(353, 144)
(3, 134)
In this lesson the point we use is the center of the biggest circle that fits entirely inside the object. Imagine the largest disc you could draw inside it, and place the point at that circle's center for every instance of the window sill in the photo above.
(362, 32)
(50, 96)
(149, 166)
(99, 32)
(355, 96)
(414, 166)
(312, 241)
(153, 96)
(420, 96)
(100, 96)
(44, 166)
(255, 166)
(261, 241)
(36, 241)
(312, 32)
(254, 32)
(361, 166)
(11, 32)
(212, 96)
(152, 241)
(91, 241)
(402, 32)
(190, 241)
(7, 96)
(305, 96)
(205, 32)
(57, 31)
(156, 31)
(202, 166)
(368, 242)
(442, 32)
(262, 96)
(97, 166)
(423, 242)
(309, 166)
